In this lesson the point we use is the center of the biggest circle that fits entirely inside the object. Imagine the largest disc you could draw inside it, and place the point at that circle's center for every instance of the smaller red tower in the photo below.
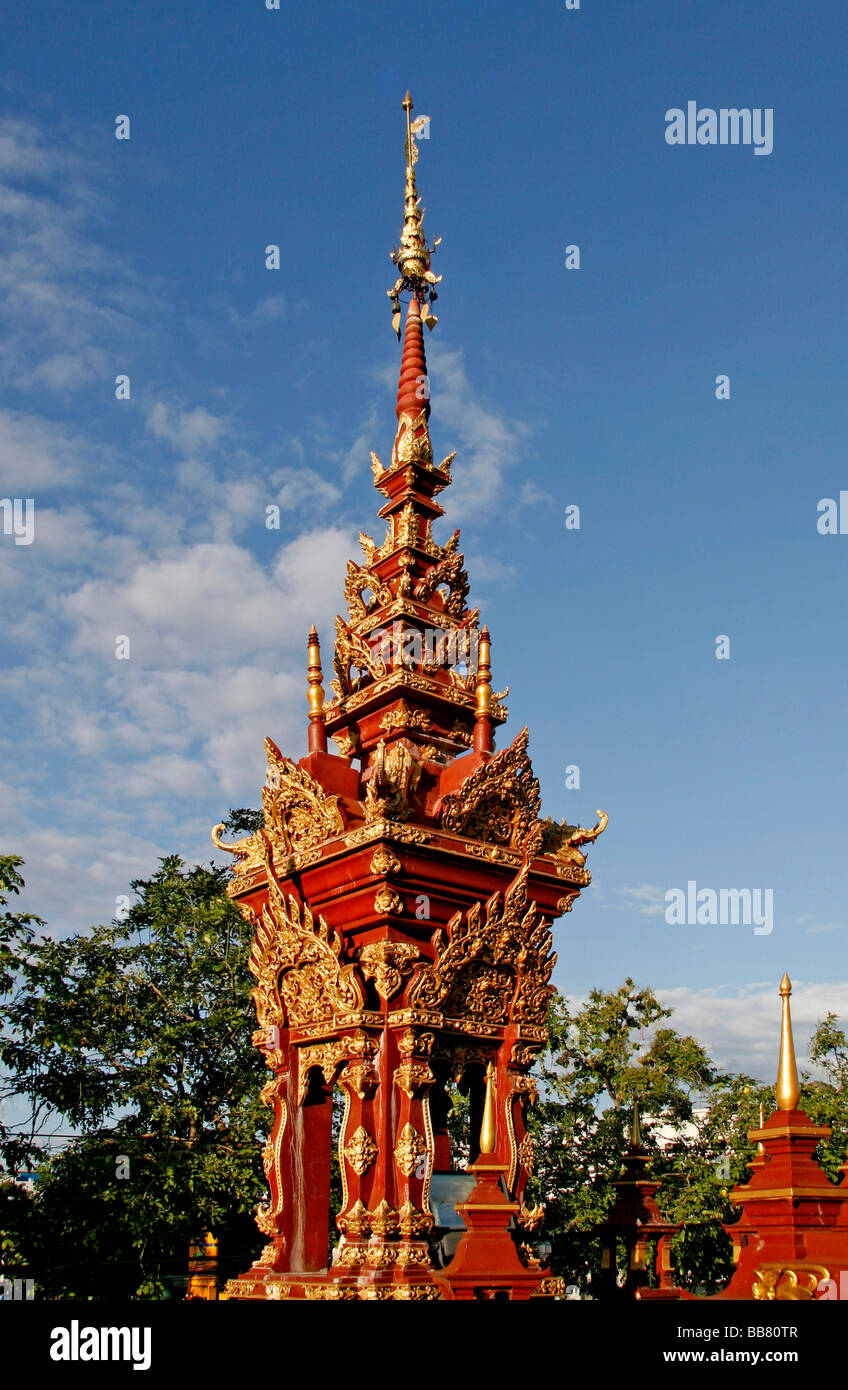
(792, 1236)
(635, 1220)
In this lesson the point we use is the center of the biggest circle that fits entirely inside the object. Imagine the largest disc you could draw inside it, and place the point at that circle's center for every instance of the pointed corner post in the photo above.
(487, 1128)
(315, 695)
(483, 722)
(636, 1129)
(787, 1091)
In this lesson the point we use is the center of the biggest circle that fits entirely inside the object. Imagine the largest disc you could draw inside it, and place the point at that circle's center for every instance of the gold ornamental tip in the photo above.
(787, 1091)
(487, 1128)
(636, 1128)
(412, 256)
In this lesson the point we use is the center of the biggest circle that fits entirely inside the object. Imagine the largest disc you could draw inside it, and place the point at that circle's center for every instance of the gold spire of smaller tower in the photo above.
(636, 1129)
(787, 1090)
(315, 695)
(761, 1148)
(487, 1128)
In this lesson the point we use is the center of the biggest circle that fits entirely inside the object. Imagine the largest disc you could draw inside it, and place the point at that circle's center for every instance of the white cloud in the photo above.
(644, 898)
(34, 454)
(487, 441)
(195, 606)
(62, 301)
(187, 430)
(740, 1028)
(269, 309)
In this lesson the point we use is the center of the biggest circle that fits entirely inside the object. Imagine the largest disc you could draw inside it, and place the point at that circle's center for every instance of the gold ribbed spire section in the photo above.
(787, 1090)
(636, 1128)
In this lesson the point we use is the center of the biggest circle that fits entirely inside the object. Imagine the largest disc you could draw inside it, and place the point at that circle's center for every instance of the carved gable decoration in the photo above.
(299, 815)
(296, 962)
(359, 581)
(500, 801)
(494, 964)
(298, 812)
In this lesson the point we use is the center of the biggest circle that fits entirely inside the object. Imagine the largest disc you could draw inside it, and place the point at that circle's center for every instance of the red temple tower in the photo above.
(403, 891)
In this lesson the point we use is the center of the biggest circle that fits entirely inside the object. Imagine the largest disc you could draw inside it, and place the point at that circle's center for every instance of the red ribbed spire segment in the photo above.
(413, 388)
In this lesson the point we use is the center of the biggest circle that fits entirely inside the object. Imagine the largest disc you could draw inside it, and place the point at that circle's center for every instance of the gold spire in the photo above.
(636, 1129)
(487, 1128)
(787, 1091)
(761, 1148)
(412, 258)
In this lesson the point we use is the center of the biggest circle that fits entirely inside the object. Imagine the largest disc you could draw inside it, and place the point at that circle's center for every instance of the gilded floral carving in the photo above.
(360, 1150)
(387, 962)
(384, 862)
(386, 901)
(409, 1149)
(527, 1154)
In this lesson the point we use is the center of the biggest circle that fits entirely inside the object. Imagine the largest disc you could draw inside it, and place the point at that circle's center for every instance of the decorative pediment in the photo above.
(493, 965)
(297, 964)
(299, 815)
(499, 802)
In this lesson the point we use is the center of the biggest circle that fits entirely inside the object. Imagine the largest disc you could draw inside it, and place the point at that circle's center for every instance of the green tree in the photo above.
(137, 1035)
(598, 1064)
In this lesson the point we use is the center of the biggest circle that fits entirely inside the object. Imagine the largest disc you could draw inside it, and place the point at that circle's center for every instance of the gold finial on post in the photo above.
(315, 695)
(410, 148)
(761, 1148)
(787, 1090)
(483, 722)
(487, 1128)
(636, 1129)
(412, 257)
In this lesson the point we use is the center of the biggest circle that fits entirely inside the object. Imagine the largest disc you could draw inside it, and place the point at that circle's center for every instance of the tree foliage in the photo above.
(138, 1035)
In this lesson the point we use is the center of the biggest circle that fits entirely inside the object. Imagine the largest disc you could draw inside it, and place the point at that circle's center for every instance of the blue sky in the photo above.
(593, 387)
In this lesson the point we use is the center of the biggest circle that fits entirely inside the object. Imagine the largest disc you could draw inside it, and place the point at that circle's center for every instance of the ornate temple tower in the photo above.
(402, 890)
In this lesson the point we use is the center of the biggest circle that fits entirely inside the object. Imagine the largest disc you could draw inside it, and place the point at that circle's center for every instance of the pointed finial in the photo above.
(412, 258)
(636, 1129)
(487, 1128)
(787, 1090)
(315, 695)
(761, 1148)
(483, 722)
